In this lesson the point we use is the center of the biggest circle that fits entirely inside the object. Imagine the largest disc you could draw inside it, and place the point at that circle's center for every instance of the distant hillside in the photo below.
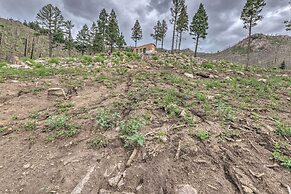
(266, 51)
(13, 36)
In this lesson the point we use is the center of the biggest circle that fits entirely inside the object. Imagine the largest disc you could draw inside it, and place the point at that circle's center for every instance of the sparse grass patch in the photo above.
(3, 129)
(283, 129)
(226, 111)
(130, 134)
(99, 58)
(231, 133)
(279, 156)
(3, 64)
(64, 107)
(98, 142)
(201, 97)
(208, 65)
(14, 117)
(30, 125)
(107, 119)
(53, 61)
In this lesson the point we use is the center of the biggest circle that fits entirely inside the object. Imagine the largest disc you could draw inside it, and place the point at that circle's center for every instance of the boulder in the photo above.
(185, 189)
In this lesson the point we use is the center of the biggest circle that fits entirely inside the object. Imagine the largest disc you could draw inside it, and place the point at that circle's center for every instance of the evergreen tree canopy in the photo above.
(175, 11)
(113, 32)
(157, 32)
(69, 41)
(136, 32)
(83, 39)
(163, 31)
(199, 25)
(51, 19)
(121, 42)
(182, 22)
(251, 13)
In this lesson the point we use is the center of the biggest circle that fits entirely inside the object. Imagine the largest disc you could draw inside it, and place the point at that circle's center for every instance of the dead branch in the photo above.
(131, 157)
(178, 151)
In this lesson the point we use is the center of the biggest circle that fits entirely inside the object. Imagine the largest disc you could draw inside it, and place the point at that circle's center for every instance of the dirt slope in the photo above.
(210, 128)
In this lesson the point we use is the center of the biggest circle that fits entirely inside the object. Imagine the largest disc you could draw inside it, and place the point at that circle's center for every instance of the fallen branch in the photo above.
(53, 91)
(254, 146)
(288, 188)
(178, 151)
(131, 158)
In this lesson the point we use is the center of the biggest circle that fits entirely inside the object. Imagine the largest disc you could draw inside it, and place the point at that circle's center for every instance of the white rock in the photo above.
(185, 189)
(26, 166)
(189, 75)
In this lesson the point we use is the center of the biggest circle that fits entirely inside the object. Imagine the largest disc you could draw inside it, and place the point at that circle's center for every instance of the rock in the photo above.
(262, 80)
(26, 166)
(113, 182)
(19, 66)
(103, 191)
(247, 190)
(185, 189)
(189, 75)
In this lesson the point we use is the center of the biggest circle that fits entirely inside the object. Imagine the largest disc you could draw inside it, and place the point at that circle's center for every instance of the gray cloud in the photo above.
(225, 27)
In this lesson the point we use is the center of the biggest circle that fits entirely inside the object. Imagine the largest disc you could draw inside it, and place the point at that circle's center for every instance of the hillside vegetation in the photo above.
(13, 37)
(153, 124)
(267, 51)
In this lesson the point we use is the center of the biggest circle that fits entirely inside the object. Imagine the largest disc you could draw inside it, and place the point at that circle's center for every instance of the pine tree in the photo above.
(182, 24)
(199, 26)
(93, 32)
(136, 32)
(175, 11)
(102, 24)
(112, 30)
(83, 39)
(163, 32)
(156, 34)
(98, 43)
(121, 42)
(288, 25)
(69, 41)
(251, 16)
(52, 20)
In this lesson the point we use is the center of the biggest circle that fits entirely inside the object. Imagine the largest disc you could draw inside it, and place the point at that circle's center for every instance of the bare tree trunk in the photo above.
(32, 48)
(162, 42)
(50, 45)
(196, 46)
(174, 34)
(25, 47)
(180, 41)
(177, 41)
(249, 44)
(135, 43)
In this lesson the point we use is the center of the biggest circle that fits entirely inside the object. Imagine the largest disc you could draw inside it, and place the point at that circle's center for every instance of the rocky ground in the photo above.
(153, 125)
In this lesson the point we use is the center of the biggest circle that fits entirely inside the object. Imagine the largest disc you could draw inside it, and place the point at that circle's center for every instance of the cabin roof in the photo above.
(146, 45)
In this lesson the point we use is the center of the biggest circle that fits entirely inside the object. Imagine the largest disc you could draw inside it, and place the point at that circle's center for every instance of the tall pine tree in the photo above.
(156, 34)
(175, 11)
(199, 26)
(251, 16)
(182, 25)
(102, 24)
(112, 30)
(163, 32)
(136, 32)
(121, 42)
(83, 39)
(51, 19)
(69, 41)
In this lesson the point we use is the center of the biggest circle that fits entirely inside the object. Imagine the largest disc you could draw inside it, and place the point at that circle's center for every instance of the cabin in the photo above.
(146, 49)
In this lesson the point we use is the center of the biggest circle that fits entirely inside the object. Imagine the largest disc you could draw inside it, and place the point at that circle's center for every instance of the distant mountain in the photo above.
(266, 51)
(14, 36)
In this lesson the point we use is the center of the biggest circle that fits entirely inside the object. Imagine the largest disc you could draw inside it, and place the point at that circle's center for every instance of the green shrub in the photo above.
(208, 65)
(30, 125)
(155, 58)
(202, 135)
(56, 123)
(3, 129)
(201, 97)
(130, 134)
(284, 160)
(86, 59)
(99, 58)
(54, 61)
(107, 119)
(3, 64)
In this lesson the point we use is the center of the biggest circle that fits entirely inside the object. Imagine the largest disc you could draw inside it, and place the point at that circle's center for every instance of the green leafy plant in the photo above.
(202, 135)
(30, 125)
(201, 97)
(231, 133)
(283, 129)
(56, 123)
(130, 134)
(278, 155)
(107, 119)
(86, 59)
(3, 129)
(155, 58)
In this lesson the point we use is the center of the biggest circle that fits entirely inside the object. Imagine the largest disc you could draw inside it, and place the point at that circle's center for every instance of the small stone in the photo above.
(185, 189)
(262, 80)
(26, 166)
(1, 167)
(103, 191)
(113, 182)
(189, 75)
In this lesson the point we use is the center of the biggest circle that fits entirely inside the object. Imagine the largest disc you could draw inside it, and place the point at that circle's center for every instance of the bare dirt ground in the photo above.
(239, 111)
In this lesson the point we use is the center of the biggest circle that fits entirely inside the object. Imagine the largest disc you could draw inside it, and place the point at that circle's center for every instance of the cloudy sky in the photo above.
(225, 27)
